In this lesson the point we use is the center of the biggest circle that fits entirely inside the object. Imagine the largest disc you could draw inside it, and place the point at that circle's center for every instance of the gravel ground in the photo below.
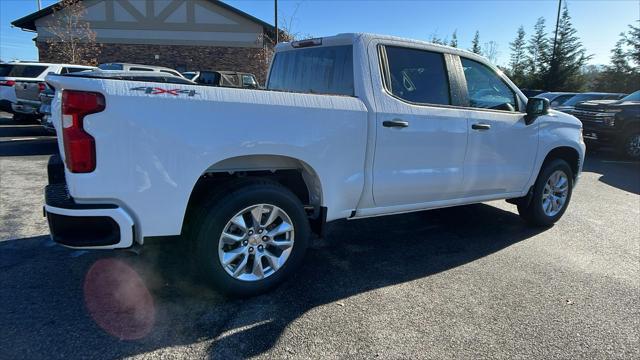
(466, 282)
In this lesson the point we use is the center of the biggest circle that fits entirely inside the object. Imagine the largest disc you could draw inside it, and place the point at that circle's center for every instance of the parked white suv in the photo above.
(351, 126)
(22, 82)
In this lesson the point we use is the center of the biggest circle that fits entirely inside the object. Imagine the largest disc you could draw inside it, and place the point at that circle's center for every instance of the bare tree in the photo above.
(490, 51)
(72, 40)
(285, 34)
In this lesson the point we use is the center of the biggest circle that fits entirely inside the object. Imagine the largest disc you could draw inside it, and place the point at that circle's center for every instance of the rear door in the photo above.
(421, 138)
(501, 149)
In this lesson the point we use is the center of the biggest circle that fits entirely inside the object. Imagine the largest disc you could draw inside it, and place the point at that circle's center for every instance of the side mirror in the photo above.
(535, 108)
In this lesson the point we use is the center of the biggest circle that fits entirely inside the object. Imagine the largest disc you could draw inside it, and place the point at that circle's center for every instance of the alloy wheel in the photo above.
(555, 193)
(256, 242)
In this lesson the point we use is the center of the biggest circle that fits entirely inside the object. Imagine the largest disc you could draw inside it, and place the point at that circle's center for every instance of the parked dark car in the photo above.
(556, 98)
(223, 78)
(570, 104)
(615, 123)
(531, 93)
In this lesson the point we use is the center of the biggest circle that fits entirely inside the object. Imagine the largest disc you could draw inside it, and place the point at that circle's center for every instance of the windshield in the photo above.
(322, 70)
(582, 97)
(632, 97)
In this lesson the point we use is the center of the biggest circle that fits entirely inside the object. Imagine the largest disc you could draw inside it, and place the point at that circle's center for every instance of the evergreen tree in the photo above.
(537, 56)
(475, 44)
(567, 58)
(633, 40)
(454, 39)
(618, 76)
(517, 60)
(437, 40)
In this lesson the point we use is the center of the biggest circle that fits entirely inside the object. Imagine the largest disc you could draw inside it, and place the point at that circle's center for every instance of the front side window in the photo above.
(248, 80)
(486, 89)
(322, 70)
(417, 76)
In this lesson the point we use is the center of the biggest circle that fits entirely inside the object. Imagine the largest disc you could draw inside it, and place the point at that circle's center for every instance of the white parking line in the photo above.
(620, 162)
(30, 138)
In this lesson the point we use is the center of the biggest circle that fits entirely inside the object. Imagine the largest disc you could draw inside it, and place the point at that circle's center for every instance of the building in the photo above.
(181, 34)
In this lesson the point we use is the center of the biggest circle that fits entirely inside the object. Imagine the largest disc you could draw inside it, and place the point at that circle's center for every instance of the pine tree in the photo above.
(618, 76)
(475, 44)
(517, 61)
(633, 40)
(454, 39)
(568, 58)
(537, 56)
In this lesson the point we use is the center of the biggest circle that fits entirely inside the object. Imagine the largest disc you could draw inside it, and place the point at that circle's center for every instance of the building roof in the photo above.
(29, 22)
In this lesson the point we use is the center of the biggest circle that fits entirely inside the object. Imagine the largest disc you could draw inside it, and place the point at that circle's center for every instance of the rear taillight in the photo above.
(7, 82)
(42, 87)
(79, 147)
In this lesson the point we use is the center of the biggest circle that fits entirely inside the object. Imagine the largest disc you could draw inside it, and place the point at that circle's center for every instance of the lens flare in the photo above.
(118, 300)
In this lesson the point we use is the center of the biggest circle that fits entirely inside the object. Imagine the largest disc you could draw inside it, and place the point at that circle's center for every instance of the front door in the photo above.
(501, 150)
(421, 139)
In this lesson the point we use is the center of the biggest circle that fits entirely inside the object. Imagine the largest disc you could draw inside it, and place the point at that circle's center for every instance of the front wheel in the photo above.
(631, 146)
(251, 238)
(551, 194)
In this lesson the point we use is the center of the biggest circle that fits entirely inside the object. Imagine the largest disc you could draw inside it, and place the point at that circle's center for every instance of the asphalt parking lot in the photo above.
(466, 282)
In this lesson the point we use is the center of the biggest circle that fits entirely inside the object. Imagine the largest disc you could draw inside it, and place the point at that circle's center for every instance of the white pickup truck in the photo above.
(349, 126)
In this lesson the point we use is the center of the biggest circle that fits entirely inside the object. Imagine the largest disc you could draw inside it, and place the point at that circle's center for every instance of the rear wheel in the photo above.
(250, 239)
(551, 194)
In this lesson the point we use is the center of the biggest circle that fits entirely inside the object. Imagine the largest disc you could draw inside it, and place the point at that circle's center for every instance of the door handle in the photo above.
(481, 126)
(395, 123)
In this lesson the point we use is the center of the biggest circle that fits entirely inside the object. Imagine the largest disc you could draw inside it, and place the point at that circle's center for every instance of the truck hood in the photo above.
(555, 116)
(604, 105)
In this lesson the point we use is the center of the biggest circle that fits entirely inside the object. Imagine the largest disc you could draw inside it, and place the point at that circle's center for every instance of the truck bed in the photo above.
(154, 141)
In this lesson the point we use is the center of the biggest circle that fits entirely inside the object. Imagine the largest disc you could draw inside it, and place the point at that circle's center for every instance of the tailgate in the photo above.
(28, 90)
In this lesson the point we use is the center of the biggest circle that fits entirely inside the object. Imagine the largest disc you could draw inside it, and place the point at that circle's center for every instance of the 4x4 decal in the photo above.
(156, 91)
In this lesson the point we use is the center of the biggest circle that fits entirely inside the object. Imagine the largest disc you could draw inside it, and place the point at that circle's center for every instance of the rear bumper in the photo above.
(83, 226)
(24, 108)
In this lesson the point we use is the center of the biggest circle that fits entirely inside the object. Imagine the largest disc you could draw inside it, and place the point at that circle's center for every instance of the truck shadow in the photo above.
(614, 170)
(163, 307)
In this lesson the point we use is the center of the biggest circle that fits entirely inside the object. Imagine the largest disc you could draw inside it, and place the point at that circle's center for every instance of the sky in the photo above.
(598, 22)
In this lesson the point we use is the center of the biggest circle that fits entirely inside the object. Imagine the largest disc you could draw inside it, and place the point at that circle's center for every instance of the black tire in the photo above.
(629, 145)
(210, 219)
(533, 212)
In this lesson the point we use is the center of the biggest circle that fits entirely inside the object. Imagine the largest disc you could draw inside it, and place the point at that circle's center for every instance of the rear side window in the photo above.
(5, 69)
(417, 76)
(75, 70)
(71, 70)
(140, 69)
(27, 71)
(209, 78)
(110, 66)
(323, 70)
